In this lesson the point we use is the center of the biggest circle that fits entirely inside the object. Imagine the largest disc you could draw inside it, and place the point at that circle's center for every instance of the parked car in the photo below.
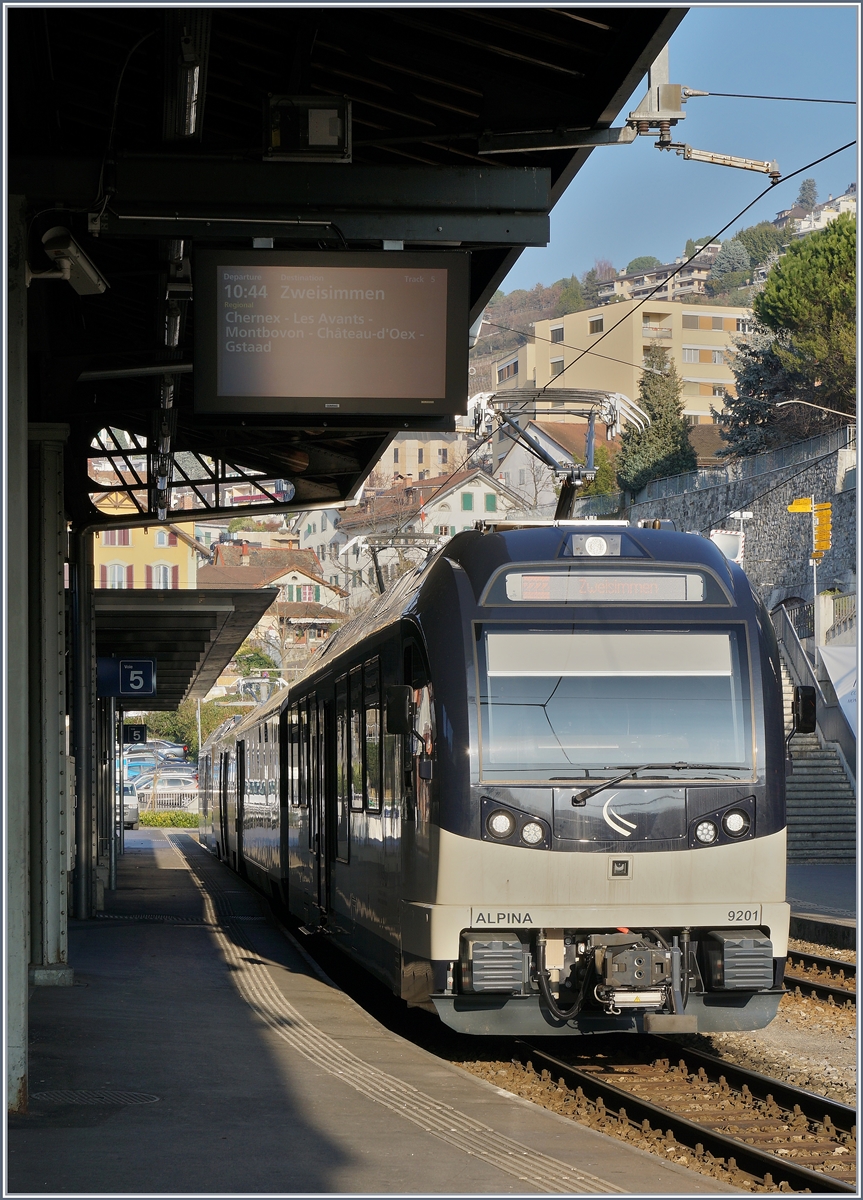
(168, 789)
(136, 764)
(131, 815)
(169, 750)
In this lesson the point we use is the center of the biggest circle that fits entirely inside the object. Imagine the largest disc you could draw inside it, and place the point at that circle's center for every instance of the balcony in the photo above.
(655, 331)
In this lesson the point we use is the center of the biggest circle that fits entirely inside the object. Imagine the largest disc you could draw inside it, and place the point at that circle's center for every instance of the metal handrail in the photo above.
(832, 722)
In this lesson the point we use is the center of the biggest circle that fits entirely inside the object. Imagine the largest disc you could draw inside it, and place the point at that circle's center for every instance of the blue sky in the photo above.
(632, 200)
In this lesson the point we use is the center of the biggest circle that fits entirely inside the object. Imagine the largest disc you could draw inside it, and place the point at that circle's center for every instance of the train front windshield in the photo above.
(560, 702)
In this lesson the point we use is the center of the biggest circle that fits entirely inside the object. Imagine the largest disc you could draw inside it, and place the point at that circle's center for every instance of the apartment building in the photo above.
(146, 558)
(517, 370)
(418, 456)
(698, 340)
(689, 281)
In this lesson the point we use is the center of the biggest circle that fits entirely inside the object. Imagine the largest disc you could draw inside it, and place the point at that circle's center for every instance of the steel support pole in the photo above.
(111, 739)
(83, 718)
(50, 793)
(15, 681)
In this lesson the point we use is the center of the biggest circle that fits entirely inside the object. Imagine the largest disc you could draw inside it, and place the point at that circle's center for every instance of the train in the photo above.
(537, 787)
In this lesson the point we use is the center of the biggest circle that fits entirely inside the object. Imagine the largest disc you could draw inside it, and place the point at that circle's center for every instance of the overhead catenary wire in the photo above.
(687, 261)
(795, 99)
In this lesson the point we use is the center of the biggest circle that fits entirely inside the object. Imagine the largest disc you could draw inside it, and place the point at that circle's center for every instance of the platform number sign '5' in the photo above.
(137, 677)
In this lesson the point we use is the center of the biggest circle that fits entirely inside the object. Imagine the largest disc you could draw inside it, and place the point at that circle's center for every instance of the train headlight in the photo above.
(596, 546)
(706, 832)
(500, 823)
(532, 833)
(736, 823)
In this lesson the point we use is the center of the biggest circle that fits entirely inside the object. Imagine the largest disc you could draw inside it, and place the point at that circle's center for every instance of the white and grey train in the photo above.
(538, 787)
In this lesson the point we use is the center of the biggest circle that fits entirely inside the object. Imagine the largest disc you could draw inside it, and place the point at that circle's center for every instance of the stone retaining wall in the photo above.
(777, 544)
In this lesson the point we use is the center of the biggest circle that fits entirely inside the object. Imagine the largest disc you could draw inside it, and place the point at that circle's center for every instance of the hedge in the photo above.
(174, 819)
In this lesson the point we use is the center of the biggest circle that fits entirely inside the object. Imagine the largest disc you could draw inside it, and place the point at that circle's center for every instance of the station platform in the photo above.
(823, 890)
(200, 1051)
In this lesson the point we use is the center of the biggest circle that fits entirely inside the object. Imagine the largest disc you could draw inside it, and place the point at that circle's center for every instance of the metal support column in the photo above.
(50, 793)
(83, 721)
(591, 440)
(15, 682)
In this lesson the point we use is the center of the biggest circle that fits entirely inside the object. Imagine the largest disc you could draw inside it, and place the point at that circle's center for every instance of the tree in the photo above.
(809, 300)
(663, 447)
(696, 244)
(722, 285)
(807, 197)
(571, 298)
(248, 524)
(761, 240)
(601, 271)
(644, 263)
(182, 724)
(732, 257)
(249, 659)
(605, 481)
(752, 422)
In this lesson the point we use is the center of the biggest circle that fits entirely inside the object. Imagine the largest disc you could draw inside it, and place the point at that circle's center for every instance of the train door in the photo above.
(318, 779)
(240, 792)
(223, 807)
(325, 804)
(231, 808)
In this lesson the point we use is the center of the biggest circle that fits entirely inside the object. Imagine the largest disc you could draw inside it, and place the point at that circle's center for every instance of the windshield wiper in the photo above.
(580, 797)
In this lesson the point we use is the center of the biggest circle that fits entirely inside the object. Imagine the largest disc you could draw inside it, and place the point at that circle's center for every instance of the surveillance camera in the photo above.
(74, 264)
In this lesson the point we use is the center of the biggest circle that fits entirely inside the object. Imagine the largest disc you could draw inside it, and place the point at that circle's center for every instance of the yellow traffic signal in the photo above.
(804, 504)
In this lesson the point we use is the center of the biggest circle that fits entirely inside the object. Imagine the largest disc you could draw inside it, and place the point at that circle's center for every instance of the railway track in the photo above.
(828, 979)
(732, 1121)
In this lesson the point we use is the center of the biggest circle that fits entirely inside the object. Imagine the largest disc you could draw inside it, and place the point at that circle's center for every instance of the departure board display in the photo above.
(364, 332)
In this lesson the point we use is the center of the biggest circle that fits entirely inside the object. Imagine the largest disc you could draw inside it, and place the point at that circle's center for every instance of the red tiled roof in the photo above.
(318, 612)
(571, 436)
(230, 554)
(706, 441)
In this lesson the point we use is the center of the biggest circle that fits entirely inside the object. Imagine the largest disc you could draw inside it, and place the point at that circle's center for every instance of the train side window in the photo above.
(357, 737)
(343, 770)
(373, 735)
(314, 783)
(289, 751)
(303, 756)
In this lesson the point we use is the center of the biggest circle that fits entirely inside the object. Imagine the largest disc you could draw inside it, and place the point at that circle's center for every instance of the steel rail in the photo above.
(818, 988)
(748, 1158)
(786, 1095)
(822, 962)
(822, 991)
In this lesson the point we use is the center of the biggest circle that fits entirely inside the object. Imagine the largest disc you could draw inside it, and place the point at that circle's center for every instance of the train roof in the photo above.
(482, 551)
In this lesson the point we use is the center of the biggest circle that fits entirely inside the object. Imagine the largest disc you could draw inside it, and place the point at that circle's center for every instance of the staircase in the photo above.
(822, 806)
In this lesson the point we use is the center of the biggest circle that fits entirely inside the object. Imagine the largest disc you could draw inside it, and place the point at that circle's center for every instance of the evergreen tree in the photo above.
(571, 298)
(645, 263)
(663, 447)
(752, 421)
(605, 481)
(601, 270)
(695, 244)
(807, 197)
(809, 299)
(761, 241)
(732, 257)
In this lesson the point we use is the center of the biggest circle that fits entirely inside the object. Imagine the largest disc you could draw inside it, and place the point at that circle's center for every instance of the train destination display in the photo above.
(353, 333)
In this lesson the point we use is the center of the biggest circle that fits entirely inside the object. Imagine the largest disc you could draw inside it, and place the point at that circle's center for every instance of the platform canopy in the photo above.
(144, 132)
(192, 635)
